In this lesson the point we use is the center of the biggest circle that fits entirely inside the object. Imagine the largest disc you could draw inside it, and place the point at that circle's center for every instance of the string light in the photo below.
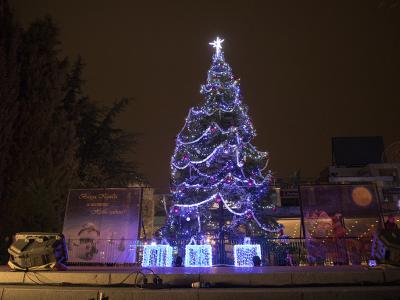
(157, 256)
(198, 255)
(214, 160)
(243, 254)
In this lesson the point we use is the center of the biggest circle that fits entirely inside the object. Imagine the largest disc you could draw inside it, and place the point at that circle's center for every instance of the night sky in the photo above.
(309, 70)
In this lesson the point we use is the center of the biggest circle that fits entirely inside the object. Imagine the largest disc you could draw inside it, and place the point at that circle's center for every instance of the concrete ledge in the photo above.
(251, 294)
(8, 277)
(14, 293)
(228, 279)
(257, 277)
(84, 278)
(271, 279)
(392, 275)
(296, 293)
(329, 277)
(137, 294)
(179, 280)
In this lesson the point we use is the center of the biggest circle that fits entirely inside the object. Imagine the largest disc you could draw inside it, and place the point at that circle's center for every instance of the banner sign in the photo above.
(339, 222)
(102, 225)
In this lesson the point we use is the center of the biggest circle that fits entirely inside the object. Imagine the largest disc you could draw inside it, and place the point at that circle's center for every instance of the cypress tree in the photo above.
(44, 139)
(102, 146)
(9, 86)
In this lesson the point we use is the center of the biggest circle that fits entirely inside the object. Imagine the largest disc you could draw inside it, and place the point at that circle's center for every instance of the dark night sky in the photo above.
(309, 69)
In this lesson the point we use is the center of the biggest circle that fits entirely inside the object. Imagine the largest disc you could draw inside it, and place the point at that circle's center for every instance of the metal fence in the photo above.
(274, 252)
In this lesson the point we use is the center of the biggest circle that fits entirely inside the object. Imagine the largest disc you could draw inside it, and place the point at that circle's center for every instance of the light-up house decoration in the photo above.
(244, 253)
(198, 255)
(157, 255)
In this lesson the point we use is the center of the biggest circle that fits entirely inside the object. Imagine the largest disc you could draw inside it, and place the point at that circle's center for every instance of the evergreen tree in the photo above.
(102, 147)
(75, 101)
(52, 137)
(9, 86)
(44, 142)
(10, 39)
(105, 147)
(215, 165)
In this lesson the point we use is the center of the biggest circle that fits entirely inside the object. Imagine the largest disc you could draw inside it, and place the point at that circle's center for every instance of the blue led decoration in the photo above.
(372, 263)
(198, 255)
(244, 254)
(157, 256)
(214, 162)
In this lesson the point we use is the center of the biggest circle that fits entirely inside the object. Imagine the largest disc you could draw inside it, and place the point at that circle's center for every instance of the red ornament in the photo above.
(218, 199)
(274, 209)
(228, 179)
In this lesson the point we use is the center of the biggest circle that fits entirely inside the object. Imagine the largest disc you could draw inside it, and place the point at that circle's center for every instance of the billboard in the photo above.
(357, 151)
(339, 221)
(102, 225)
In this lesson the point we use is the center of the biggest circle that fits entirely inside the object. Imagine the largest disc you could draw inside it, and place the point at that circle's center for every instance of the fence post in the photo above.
(221, 235)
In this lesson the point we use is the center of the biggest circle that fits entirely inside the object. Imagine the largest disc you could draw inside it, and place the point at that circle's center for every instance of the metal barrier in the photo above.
(274, 252)
(86, 251)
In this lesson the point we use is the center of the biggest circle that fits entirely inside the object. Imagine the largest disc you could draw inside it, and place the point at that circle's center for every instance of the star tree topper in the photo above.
(217, 45)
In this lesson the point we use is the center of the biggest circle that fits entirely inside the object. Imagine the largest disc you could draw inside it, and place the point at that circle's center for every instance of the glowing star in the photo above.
(217, 45)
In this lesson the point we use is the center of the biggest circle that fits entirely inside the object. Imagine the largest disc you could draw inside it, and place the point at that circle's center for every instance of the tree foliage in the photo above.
(44, 143)
(215, 168)
(102, 147)
(52, 136)
(10, 39)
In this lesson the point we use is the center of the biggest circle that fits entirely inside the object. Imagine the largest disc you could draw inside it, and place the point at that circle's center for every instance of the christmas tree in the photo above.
(215, 169)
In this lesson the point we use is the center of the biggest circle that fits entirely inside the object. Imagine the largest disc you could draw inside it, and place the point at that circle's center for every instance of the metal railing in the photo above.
(274, 252)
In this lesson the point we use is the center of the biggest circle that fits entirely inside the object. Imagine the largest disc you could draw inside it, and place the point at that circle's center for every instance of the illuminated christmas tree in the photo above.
(215, 170)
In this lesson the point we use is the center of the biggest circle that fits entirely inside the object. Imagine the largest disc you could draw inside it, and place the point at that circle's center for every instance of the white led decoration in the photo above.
(217, 44)
(214, 160)
(198, 255)
(157, 255)
(244, 254)
(247, 211)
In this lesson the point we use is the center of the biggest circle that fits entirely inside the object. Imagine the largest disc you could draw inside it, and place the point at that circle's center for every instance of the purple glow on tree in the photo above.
(214, 160)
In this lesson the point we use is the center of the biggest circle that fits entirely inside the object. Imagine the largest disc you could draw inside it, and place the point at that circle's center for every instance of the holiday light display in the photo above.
(372, 263)
(198, 255)
(214, 162)
(217, 44)
(243, 254)
(157, 255)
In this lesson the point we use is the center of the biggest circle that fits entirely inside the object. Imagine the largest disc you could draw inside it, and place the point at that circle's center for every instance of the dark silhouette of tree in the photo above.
(10, 38)
(102, 147)
(52, 136)
(44, 140)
